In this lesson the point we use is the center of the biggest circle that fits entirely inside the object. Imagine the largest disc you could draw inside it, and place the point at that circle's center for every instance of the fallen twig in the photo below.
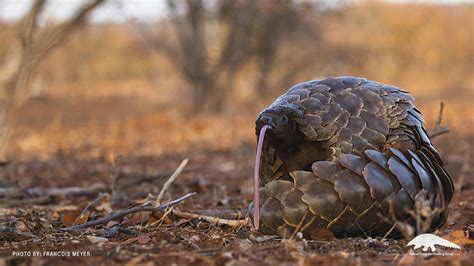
(170, 181)
(11, 234)
(389, 231)
(125, 212)
(438, 128)
(86, 209)
(211, 219)
(160, 221)
(300, 224)
(224, 214)
(115, 174)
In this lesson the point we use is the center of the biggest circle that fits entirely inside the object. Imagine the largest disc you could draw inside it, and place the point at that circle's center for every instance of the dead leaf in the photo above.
(149, 198)
(167, 220)
(70, 218)
(157, 216)
(322, 235)
(105, 207)
(97, 239)
(54, 216)
(104, 197)
(135, 261)
(5, 212)
(180, 222)
(143, 239)
(111, 224)
(344, 254)
(21, 226)
(459, 237)
(83, 218)
(139, 218)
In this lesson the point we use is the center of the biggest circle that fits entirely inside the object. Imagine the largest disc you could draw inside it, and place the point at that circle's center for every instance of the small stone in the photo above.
(299, 235)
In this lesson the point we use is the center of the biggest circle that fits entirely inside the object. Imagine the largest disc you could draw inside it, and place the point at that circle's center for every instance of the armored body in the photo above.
(347, 155)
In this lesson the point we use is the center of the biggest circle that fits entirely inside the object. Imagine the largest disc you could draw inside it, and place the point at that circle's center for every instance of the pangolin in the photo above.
(347, 155)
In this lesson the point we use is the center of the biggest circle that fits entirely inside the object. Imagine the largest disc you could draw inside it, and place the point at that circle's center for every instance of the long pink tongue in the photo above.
(256, 178)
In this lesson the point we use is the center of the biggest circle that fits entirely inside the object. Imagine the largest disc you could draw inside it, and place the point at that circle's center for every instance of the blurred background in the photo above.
(111, 96)
(143, 77)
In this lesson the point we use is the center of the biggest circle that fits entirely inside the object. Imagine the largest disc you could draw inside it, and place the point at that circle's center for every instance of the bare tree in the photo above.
(214, 41)
(277, 18)
(36, 44)
(212, 78)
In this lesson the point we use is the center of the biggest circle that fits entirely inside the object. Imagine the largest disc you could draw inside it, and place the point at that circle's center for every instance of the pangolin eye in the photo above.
(284, 119)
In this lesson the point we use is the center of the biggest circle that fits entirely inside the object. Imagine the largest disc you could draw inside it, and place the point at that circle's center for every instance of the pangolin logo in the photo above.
(428, 242)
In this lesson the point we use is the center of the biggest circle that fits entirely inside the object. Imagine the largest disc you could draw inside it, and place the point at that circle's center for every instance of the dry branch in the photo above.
(438, 128)
(170, 181)
(46, 43)
(125, 212)
(86, 209)
(11, 234)
(211, 219)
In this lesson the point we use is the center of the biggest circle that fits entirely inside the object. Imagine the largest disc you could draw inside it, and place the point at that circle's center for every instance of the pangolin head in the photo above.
(283, 131)
(277, 125)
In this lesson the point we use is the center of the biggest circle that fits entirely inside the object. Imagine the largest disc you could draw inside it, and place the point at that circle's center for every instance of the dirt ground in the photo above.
(126, 148)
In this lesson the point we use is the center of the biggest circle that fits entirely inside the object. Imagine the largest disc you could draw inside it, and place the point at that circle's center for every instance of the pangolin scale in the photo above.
(348, 155)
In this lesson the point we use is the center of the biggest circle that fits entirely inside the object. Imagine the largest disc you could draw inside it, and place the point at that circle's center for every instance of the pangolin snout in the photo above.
(266, 120)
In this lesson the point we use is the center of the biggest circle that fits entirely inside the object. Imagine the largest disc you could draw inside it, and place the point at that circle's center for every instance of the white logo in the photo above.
(428, 242)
